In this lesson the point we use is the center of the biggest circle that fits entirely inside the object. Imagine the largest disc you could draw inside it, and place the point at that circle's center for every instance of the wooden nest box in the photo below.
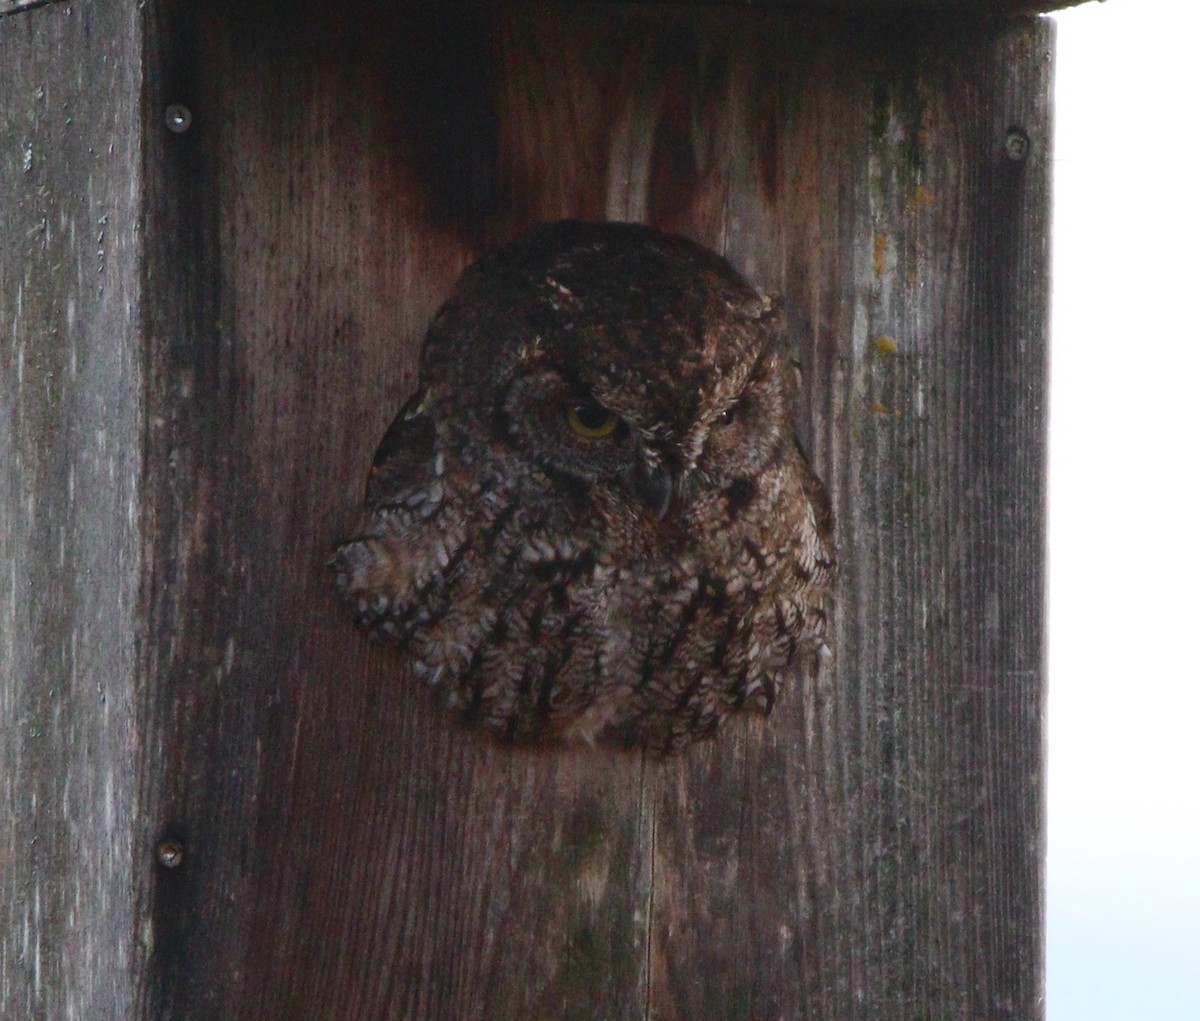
(224, 228)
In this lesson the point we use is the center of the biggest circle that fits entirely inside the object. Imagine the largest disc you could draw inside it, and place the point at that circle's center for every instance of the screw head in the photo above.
(178, 118)
(1016, 145)
(169, 853)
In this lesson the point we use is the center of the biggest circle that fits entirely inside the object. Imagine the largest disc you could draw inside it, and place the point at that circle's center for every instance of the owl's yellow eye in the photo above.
(592, 421)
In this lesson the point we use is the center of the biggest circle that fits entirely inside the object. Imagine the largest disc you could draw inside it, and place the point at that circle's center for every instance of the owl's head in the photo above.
(617, 356)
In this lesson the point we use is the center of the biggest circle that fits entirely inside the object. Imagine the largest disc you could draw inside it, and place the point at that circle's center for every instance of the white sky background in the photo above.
(1124, 618)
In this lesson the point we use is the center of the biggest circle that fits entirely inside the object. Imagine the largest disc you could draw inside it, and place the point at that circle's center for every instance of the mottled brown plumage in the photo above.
(593, 520)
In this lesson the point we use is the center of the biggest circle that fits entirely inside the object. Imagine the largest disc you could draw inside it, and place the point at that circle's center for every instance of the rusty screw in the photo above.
(169, 853)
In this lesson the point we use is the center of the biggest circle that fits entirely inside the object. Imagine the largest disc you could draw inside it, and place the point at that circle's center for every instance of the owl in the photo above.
(592, 521)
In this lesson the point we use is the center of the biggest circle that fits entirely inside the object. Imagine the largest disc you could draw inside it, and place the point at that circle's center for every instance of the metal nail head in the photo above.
(169, 853)
(1016, 145)
(178, 118)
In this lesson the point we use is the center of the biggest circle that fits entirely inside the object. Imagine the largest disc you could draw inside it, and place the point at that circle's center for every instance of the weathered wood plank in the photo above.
(939, 7)
(874, 851)
(877, 854)
(847, 865)
(296, 266)
(70, 483)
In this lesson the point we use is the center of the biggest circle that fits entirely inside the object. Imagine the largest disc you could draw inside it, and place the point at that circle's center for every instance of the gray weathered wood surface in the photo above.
(939, 7)
(71, 441)
(181, 455)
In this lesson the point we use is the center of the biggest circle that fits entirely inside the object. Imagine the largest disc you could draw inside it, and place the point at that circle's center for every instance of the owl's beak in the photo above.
(655, 486)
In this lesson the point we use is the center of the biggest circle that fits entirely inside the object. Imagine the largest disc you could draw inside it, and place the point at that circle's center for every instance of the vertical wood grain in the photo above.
(183, 454)
(874, 851)
(877, 852)
(351, 852)
(70, 487)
